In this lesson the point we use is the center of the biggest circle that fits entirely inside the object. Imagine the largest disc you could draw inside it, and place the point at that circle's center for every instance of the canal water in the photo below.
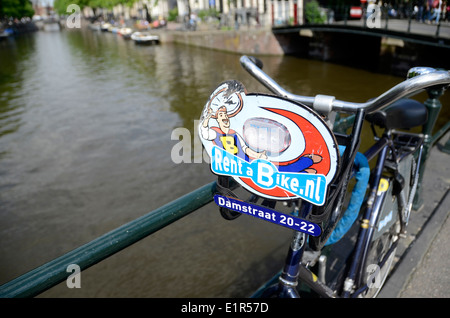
(86, 123)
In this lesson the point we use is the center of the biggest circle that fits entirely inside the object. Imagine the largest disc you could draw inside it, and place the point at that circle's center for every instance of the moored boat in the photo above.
(51, 25)
(3, 35)
(126, 32)
(144, 38)
(95, 26)
(105, 26)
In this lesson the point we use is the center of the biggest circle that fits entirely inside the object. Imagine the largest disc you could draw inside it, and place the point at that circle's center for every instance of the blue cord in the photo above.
(362, 176)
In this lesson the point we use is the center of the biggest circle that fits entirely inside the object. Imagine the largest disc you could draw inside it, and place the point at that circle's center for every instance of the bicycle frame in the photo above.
(295, 271)
(372, 214)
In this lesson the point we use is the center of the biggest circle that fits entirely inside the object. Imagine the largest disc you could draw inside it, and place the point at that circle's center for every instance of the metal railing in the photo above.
(378, 18)
(54, 272)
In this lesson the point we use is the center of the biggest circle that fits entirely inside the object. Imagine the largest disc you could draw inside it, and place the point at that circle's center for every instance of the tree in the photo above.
(16, 9)
(61, 5)
(313, 14)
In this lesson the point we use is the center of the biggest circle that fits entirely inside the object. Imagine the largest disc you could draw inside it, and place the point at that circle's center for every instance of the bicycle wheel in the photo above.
(378, 262)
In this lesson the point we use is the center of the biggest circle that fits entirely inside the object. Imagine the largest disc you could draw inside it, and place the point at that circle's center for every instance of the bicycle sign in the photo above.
(269, 215)
(265, 175)
(273, 147)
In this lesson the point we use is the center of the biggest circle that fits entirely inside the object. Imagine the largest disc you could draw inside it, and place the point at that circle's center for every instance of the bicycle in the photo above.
(323, 202)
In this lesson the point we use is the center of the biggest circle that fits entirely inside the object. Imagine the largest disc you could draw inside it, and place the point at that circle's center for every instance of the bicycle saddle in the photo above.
(403, 114)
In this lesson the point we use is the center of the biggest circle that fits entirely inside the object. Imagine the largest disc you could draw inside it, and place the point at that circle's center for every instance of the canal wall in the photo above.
(255, 41)
(382, 54)
(377, 54)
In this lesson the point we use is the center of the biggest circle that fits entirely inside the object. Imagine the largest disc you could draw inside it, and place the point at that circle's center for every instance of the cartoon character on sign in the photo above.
(226, 102)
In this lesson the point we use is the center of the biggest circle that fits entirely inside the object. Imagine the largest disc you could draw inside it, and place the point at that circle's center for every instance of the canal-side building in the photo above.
(263, 12)
(245, 12)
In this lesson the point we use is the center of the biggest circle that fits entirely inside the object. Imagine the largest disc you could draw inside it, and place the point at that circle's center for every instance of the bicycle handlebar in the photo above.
(325, 103)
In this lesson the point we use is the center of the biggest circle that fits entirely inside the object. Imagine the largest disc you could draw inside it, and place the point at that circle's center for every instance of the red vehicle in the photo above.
(356, 12)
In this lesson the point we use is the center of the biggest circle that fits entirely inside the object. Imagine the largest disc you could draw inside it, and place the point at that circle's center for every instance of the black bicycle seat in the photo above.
(403, 114)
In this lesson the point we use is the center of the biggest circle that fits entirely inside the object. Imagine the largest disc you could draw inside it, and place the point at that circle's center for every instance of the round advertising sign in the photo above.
(273, 147)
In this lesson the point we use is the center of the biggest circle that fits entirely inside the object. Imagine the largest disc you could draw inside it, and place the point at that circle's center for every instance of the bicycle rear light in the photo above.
(262, 134)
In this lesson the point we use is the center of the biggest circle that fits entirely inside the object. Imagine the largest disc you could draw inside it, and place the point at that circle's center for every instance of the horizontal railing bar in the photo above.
(54, 272)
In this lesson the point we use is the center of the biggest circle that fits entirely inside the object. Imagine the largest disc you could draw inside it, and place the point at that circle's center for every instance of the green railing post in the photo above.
(387, 19)
(346, 13)
(410, 10)
(341, 124)
(437, 29)
(433, 106)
